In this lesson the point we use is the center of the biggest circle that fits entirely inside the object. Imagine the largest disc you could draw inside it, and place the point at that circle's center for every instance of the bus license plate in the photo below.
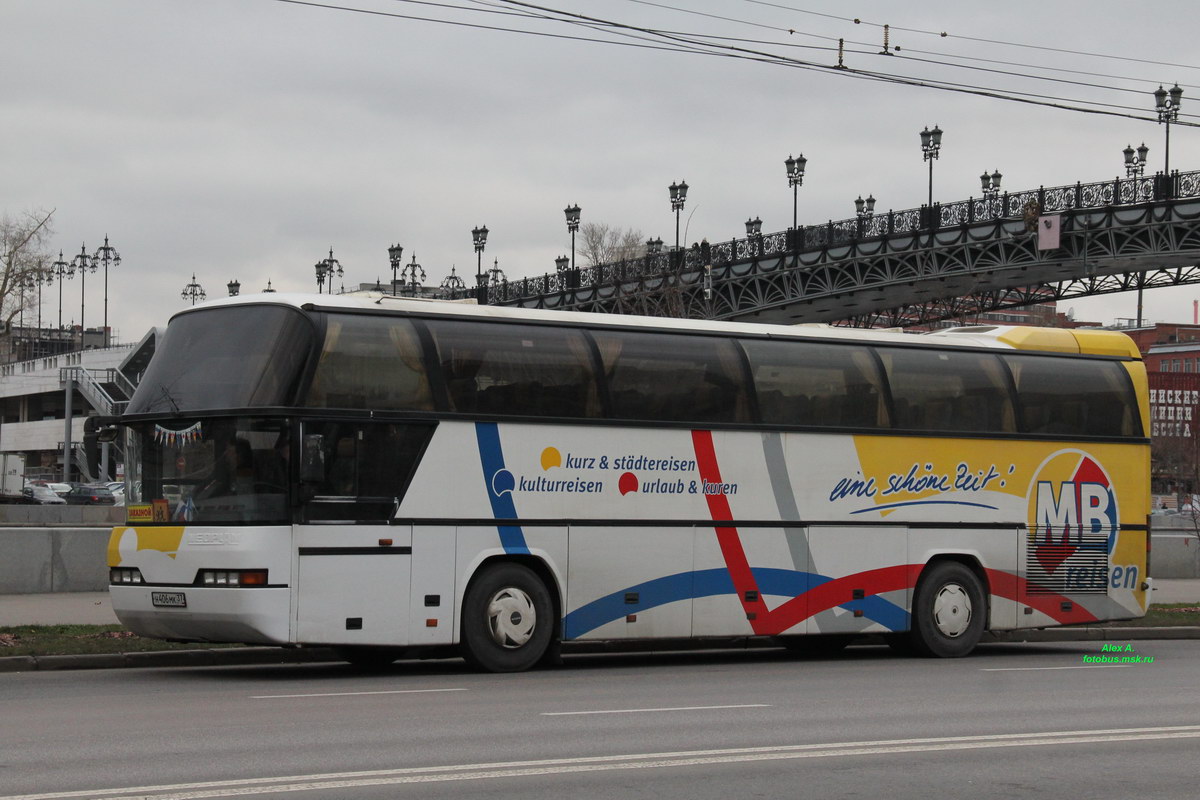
(169, 599)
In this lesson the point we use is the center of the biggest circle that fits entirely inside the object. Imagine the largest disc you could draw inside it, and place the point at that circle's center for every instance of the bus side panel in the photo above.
(779, 573)
(351, 588)
(858, 578)
(627, 582)
(996, 551)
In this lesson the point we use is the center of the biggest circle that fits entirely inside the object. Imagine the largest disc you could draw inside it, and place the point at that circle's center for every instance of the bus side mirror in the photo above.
(312, 459)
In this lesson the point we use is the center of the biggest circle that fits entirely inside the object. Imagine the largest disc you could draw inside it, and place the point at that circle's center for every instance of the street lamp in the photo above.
(495, 274)
(479, 238)
(753, 227)
(1166, 103)
(561, 263)
(82, 263)
(326, 269)
(60, 270)
(864, 209)
(990, 184)
(394, 253)
(678, 198)
(1135, 165)
(414, 273)
(931, 145)
(795, 176)
(106, 255)
(654, 246)
(452, 284)
(193, 291)
(234, 287)
(572, 213)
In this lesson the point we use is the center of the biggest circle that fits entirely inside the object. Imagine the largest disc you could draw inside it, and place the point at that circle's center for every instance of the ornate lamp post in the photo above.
(572, 213)
(496, 275)
(931, 145)
(60, 270)
(82, 263)
(990, 185)
(104, 256)
(864, 209)
(1166, 103)
(452, 284)
(234, 287)
(479, 238)
(414, 274)
(753, 228)
(561, 263)
(795, 176)
(394, 253)
(325, 269)
(193, 291)
(678, 198)
(1135, 164)
(654, 246)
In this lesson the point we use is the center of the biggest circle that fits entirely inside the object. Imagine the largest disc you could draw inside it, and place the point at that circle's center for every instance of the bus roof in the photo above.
(1015, 337)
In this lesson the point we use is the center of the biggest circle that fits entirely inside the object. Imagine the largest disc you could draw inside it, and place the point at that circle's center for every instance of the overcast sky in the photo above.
(241, 139)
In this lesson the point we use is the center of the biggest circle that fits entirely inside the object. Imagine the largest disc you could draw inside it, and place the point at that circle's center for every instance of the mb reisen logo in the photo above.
(1072, 507)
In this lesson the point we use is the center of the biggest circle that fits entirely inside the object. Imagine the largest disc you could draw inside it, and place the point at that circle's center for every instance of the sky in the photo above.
(244, 139)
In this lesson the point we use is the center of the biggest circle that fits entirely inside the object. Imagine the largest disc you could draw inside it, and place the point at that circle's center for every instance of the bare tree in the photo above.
(603, 244)
(24, 259)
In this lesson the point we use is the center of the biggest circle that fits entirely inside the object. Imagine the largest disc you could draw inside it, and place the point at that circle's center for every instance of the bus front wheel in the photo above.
(507, 619)
(949, 611)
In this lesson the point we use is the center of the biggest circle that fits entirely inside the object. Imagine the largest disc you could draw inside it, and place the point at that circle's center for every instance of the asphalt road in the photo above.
(1024, 720)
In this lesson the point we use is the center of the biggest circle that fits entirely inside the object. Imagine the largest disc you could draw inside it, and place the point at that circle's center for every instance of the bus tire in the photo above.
(507, 619)
(949, 611)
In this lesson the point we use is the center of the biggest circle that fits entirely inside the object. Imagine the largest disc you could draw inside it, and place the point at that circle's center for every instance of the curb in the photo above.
(243, 656)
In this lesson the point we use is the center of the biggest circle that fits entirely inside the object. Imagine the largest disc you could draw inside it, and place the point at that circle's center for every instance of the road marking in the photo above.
(559, 766)
(350, 694)
(646, 710)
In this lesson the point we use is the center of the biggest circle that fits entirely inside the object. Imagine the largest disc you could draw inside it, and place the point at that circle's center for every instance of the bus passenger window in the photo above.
(1071, 396)
(814, 383)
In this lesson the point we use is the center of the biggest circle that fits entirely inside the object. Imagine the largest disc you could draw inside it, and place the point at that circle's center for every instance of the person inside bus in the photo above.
(233, 472)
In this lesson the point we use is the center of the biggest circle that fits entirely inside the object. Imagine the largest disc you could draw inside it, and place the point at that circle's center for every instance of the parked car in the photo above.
(61, 489)
(90, 496)
(42, 494)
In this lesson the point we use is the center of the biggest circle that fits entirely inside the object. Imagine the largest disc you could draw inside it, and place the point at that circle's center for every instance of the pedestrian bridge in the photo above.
(911, 267)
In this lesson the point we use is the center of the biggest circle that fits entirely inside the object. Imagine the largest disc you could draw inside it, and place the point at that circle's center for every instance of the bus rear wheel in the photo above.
(949, 611)
(507, 619)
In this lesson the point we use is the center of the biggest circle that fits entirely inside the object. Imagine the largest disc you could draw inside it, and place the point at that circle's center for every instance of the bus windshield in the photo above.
(212, 470)
(223, 358)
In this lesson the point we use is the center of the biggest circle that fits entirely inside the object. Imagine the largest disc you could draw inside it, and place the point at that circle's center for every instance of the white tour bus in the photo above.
(388, 476)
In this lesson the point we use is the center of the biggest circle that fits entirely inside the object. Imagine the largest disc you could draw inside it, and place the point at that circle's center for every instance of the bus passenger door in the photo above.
(858, 576)
(352, 584)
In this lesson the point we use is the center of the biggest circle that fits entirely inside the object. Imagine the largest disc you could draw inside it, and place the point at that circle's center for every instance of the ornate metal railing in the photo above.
(1006, 206)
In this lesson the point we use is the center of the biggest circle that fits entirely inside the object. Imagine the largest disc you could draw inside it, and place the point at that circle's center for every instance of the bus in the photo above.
(390, 477)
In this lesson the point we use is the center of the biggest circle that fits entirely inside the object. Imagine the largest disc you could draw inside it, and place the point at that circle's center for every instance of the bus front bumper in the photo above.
(255, 615)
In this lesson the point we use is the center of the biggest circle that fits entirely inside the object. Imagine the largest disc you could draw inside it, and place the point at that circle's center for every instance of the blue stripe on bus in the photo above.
(711, 582)
(491, 458)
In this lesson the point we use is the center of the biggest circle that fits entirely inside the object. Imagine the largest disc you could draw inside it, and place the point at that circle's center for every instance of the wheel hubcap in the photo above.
(511, 618)
(952, 610)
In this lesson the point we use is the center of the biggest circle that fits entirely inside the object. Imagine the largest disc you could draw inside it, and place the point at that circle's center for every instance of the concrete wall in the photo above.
(73, 559)
(36, 560)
